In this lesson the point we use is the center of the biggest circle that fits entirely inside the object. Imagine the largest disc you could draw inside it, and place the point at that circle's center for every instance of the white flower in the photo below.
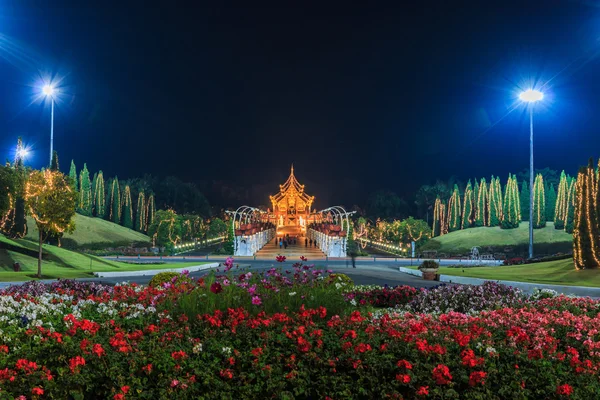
(292, 293)
(490, 349)
(353, 302)
(226, 350)
(197, 348)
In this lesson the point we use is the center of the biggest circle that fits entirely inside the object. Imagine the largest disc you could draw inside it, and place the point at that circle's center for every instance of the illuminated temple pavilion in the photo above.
(291, 207)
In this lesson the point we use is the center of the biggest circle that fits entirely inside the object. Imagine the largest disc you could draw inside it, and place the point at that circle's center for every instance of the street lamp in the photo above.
(531, 96)
(50, 91)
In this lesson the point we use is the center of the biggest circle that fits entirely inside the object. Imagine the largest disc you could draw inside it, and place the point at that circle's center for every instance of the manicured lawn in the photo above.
(62, 263)
(464, 240)
(89, 231)
(561, 272)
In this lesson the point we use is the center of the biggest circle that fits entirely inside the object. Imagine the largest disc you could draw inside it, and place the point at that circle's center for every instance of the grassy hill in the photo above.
(59, 262)
(94, 233)
(547, 240)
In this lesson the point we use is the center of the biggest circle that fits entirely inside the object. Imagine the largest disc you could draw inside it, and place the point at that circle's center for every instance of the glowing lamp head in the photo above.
(531, 96)
(48, 90)
(22, 153)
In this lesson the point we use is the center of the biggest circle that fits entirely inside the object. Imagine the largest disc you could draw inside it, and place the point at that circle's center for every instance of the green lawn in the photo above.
(463, 240)
(561, 272)
(94, 231)
(62, 263)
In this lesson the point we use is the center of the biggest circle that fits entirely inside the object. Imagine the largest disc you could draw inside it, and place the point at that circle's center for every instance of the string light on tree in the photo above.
(481, 216)
(586, 246)
(539, 203)
(127, 209)
(454, 209)
(140, 218)
(468, 207)
(560, 209)
(100, 196)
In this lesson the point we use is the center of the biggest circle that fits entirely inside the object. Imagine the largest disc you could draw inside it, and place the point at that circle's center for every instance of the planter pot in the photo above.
(429, 274)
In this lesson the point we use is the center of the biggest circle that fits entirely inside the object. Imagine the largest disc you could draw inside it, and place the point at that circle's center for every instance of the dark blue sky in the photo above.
(358, 98)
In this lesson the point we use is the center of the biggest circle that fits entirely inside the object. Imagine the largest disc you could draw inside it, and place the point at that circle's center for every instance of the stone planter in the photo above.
(429, 274)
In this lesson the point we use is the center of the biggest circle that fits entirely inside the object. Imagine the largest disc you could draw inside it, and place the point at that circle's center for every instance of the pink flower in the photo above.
(303, 258)
(280, 259)
(256, 301)
(174, 382)
(216, 288)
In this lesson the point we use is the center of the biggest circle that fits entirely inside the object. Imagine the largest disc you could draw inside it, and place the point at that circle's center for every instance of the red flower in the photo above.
(147, 368)
(564, 390)
(442, 375)
(257, 351)
(3, 349)
(38, 391)
(75, 362)
(477, 377)
(178, 355)
(423, 391)
(226, 373)
(303, 258)
(216, 288)
(403, 378)
(119, 396)
(98, 350)
(280, 259)
(125, 389)
(404, 364)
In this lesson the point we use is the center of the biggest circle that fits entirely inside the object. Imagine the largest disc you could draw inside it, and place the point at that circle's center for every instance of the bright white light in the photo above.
(48, 90)
(531, 96)
(22, 153)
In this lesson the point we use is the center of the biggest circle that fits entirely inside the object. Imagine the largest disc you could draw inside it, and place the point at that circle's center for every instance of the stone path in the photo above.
(272, 250)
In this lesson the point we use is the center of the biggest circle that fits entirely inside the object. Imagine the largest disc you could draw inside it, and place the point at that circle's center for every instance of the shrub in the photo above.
(382, 297)
(341, 279)
(539, 294)
(161, 278)
(429, 264)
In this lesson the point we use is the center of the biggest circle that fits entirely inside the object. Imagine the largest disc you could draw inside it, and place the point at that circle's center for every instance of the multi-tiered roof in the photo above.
(291, 194)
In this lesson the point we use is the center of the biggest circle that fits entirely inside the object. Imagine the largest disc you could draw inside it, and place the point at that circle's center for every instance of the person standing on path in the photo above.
(305, 242)
(280, 243)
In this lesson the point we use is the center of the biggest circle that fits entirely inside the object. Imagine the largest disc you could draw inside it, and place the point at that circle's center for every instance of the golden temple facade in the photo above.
(291, 206)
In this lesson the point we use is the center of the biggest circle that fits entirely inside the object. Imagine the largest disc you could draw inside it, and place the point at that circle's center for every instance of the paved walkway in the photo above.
(272, 250)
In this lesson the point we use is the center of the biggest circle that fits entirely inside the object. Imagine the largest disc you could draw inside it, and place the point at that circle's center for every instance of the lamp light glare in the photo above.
(48, 90)
(531, 96)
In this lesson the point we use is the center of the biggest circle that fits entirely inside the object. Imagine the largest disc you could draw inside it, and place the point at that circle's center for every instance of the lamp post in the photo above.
(49, 91)
(531, 96)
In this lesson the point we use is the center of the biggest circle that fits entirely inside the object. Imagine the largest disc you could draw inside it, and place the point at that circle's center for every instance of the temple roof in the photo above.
(292, 187)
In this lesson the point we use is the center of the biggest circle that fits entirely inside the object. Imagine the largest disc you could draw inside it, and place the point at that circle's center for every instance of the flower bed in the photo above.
(136, 342)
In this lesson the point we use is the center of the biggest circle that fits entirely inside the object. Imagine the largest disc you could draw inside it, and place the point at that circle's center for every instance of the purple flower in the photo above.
(256, 301)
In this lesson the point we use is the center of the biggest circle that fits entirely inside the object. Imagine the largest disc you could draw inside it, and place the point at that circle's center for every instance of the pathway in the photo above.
(272, 250)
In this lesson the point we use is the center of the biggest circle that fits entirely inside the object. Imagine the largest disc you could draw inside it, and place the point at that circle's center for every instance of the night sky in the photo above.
(358, 98)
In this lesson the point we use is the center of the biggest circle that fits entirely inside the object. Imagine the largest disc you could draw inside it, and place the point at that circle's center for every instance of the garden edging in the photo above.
(524, 286)
(152, 272)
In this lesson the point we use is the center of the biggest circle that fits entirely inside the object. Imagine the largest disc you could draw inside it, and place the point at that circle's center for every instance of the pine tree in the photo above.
(85, 192)
(550, 203)
(99, 196)
(94, 179)
(539, 203)
(73, 176)
(475, 198)
(510, 215)
(127, 208)
(524, 202)
(115, 202)
(15, 223)
(586, 246)
(560, 209)
(468, 207)
(571, 202)
(495, 202)
(482, 213)
(440, 225)
(140, 216)
(517, 197)
(54, 164)
(454, 210)
(150, 211)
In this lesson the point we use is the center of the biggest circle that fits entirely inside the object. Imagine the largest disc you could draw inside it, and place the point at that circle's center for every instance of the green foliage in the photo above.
(511, 215)
(560, 209)
(454, 211)
(586, 246)
(99, 196)
(440, 225)
(165, 230)
(150, 211)
(114, 207)
(550, 203)
(228, 244)
(127, 208)
(386, 205)
(73, 176)
(172, 277)
(342, 279)
(468, 207)
(571, 201)
(482, 211)
(524, 201)
(217, 227)
(429, 264)
(51, 202)
(140, 214)
(8, 188)
(495, 201)
(539, 203)
(85, 192)
(54, 163)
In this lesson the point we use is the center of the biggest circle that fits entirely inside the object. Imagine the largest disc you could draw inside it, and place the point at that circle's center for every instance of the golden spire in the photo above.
(292, 169)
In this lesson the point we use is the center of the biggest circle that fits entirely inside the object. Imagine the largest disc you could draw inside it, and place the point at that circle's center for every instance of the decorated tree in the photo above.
(511, 213)
(165, 230)
(468, 207)
(495, 202)
(414, 230)
(54, 162)
(127, 208)
(51, 203)
(560, 208)
(482, 213)
(217, 228)
(440, 223)
(524, 201)
(115, 202)
(150, 211)
(9, 183)
(85, 192)
(94, 179)
(73, 176)
(571, 201)
(550, 203)
(140, 215)
(586, 246)
(454, 211)
(15, 223)
(539, 203)
(99, 196)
